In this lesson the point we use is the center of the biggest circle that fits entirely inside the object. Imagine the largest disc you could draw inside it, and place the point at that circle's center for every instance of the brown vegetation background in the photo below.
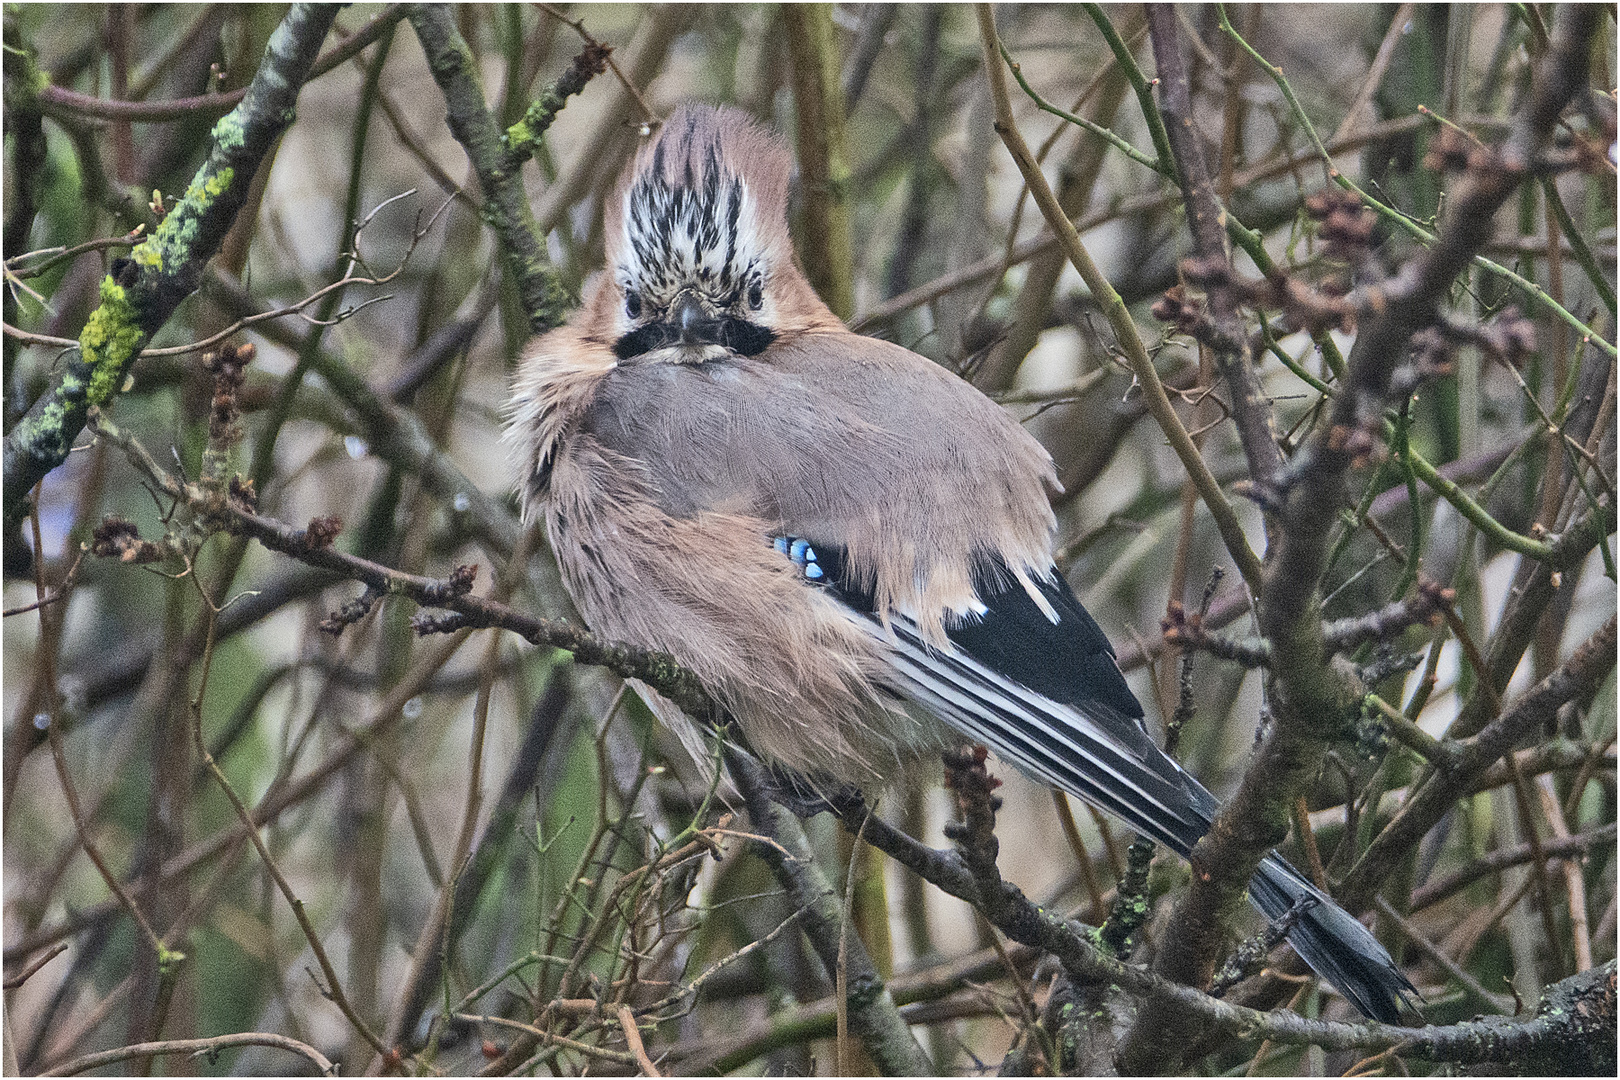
(470, 851)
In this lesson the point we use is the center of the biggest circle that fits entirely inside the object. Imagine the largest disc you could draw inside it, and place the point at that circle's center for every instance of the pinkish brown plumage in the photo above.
(658, 472)
(847, 544)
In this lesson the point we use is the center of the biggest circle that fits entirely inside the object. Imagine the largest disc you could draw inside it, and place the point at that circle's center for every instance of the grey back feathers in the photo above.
(854, 440)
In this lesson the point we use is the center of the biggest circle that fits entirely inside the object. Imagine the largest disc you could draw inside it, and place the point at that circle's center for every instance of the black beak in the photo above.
(689, 318)
(692, 322)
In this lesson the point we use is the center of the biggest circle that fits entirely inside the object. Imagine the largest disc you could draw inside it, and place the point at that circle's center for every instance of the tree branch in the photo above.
(1312, 699)
(195, 1048)
(873, 1015)
(546, 301)
(823, 157)
(313, 546)
(1119, 317)
(167, 267)
(57, 100)
(1028, 924)
(1226, 336)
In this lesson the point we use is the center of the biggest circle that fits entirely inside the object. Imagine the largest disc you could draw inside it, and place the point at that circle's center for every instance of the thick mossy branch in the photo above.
(167, 267)
(545, 300)
(1571, 1034)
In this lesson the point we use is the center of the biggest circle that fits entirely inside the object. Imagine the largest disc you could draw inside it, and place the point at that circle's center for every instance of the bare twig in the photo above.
(578, 27)
(1354, 115)
(195, 1047)
(980, 271)
(1223, 331)
(1569, 848)
(632, 1037)
(14, 981)
(1119, 317)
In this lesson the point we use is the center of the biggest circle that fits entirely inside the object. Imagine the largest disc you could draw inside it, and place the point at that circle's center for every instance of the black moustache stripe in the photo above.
(738, 335)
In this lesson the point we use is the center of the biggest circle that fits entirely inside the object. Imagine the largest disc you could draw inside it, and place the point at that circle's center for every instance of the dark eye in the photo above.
(756, 294)
(632, 303)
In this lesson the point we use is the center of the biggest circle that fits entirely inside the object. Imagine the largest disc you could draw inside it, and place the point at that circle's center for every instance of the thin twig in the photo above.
(1494, 1002)
(194, 1047)
(204, 105)
(333, 989)
(58, 255)
(14, 981)
(1574, 883)
(632, 1038)
(1119, 317)
(1375, 73)
(54, 720)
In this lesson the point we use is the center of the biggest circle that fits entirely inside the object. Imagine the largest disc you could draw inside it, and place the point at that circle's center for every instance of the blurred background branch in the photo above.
(1385, 357)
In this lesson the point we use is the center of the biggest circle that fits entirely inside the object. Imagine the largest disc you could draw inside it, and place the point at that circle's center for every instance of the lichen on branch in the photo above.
(143, 292)
(497, 162)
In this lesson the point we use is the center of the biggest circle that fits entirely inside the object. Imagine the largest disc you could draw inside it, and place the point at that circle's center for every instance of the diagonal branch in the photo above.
(1574, 679)
(167, 267)
(1226, 337)
(1544, 1036)
(873, 1016)
(506, 206)
(1311, 697)
(1119, 317)
(313, 546)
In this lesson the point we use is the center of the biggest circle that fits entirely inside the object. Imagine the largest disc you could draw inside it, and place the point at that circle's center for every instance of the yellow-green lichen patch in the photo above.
(220, 182)
(227, 133)
(212, 187)
(146, 253)
(109, 341)
(175, 240)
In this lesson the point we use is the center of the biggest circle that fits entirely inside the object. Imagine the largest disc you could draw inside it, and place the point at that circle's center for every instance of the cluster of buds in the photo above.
(460, 583)
(1178, 623)
(1303, 307)
(1430, 358)
(1360, 441)
(1451, 151)
(321, 531)
(1509, 337)
(1342, 222)
(967, 777)
(242, 495)
(227, 367)
(1184, 312)
(118, 538)
(350, 613)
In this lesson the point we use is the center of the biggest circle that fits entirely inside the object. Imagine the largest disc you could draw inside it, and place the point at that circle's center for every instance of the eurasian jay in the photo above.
(848, 545)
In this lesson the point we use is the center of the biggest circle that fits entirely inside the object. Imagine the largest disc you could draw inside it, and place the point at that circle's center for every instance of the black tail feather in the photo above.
(1333, 942)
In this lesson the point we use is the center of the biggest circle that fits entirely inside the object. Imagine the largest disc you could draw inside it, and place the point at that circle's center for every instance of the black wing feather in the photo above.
(1069, 660)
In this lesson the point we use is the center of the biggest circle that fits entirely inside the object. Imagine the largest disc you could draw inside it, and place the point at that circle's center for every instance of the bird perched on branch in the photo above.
(848, 545)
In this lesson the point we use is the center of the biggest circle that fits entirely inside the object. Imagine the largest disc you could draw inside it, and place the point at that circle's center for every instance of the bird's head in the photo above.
(699, 260)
